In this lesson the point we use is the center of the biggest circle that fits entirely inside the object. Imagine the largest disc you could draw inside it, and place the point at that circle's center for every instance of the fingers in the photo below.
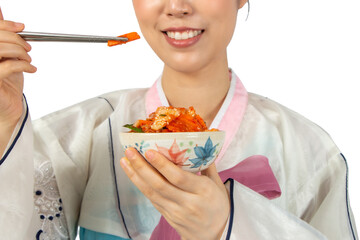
(175, 175)
(136, 179)
(11, 26)
(146, 178)
(14, 57)
(10, 37)
(212, 173)
(13, 51)
(8, 30)
(13, 66)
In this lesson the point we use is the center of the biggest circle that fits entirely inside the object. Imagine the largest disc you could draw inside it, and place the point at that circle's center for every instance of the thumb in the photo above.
(212, 173)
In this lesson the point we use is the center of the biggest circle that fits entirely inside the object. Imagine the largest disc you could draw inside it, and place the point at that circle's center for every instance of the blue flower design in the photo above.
(204, 154)
(140, 147)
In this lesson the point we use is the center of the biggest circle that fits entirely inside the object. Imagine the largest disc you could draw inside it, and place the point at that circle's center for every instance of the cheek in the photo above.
(223, 16)
(147, 11)
(140, 11)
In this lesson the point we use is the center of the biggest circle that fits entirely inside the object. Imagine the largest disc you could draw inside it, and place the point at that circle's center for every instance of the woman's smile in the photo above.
(182, 37)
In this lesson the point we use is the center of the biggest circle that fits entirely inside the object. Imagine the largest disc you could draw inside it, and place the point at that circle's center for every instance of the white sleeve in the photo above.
(64, 141)
(328, 215)
(17, 216)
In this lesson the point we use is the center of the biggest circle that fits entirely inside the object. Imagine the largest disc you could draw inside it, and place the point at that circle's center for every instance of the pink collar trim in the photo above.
(228, 118)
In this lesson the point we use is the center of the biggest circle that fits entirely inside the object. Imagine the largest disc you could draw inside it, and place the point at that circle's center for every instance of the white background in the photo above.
(303, 54)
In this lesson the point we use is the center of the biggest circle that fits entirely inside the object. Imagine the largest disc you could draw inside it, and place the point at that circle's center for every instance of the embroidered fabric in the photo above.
(48, 205)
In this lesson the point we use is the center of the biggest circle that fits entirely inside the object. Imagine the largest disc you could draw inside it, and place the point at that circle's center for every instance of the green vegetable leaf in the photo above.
(135, 129)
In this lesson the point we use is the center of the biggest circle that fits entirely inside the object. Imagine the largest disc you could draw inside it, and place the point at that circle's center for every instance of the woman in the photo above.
(76, 152)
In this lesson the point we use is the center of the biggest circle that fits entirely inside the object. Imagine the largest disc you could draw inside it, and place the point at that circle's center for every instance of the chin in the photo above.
(186, 68)
(186, 64)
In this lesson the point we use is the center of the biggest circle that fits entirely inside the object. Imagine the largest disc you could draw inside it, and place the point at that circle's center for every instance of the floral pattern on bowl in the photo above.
(174, 153)
(193, 151)
(204, 154)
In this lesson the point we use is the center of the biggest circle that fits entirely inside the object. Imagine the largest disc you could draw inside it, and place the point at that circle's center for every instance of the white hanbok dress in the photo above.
(62, 171)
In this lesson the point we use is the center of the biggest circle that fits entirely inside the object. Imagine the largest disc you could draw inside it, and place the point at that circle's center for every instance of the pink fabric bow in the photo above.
(253, 172)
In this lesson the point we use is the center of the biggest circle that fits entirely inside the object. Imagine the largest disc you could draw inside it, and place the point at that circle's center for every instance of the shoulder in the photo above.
(298, 149)
(296, 136)
(285, 119)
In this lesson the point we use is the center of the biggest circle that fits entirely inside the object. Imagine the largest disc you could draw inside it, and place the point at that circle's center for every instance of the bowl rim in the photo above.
(175, 133)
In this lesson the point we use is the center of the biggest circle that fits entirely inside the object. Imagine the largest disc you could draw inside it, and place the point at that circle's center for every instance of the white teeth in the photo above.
(178, 36)
(183, 35)
(191, 34)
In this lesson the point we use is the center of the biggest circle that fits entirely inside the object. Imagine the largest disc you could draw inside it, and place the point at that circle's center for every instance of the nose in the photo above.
(178, 8)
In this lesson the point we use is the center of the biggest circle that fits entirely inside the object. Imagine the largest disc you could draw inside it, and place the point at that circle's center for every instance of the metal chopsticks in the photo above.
(61, 37)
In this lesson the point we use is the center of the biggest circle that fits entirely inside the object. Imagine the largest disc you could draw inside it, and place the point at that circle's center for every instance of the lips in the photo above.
(182, 37)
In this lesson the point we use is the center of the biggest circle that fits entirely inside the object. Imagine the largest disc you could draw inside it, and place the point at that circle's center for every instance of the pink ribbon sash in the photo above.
(253, 172)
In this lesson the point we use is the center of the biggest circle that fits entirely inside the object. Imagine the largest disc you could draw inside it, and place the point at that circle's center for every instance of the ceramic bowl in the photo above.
(192, 151)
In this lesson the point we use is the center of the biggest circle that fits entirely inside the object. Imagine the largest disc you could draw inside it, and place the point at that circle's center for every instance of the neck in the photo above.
(205, 90)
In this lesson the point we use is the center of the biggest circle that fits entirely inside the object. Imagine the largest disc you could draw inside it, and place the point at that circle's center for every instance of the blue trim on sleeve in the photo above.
(113, 165)
(107, 102)
(86, 234)
(17, 135)
(231, 218)
(116, 186)
(38, 234)
(347, 197)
